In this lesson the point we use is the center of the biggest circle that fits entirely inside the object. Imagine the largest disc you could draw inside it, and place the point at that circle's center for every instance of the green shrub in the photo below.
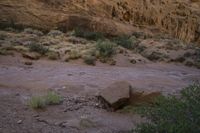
(173, 115)
(52, 98)
(88, 34)
(106, 48)
(124, 41)
(37, 102)
(38, 48)
(90, 60)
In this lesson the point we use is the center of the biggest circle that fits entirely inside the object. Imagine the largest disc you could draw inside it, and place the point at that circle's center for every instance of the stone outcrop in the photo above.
(179, 18)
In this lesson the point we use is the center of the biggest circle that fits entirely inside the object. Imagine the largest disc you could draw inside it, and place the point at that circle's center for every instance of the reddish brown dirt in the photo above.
(80, 112)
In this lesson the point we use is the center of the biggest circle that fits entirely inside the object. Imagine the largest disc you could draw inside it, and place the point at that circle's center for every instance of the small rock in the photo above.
(179, 59)
(120, 51)
(55, 33)
(42, 120)
(154, 55)
(112, 62)
(82, 73)
(25, 108)
(87, 123)
(17, 94)
(132, 60)
(67, 51)
(189, 63)
(28, 63)
(64, 87)
(32, 55)
(19, 122)
(66, 58)
(36, 115)
(62, 124)
(102, 60)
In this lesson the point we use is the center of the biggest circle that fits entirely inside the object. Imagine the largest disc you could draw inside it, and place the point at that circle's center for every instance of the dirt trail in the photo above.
(167, 78)
(19, 82)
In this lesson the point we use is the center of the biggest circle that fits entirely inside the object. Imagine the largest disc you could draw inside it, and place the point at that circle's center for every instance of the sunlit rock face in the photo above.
(179, 18)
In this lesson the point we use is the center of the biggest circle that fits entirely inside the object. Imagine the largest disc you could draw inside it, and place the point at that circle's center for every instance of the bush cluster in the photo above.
(89, 35)
(90, 60)
(173, 114)
(106, 48)
(124, 41)
(34, 47)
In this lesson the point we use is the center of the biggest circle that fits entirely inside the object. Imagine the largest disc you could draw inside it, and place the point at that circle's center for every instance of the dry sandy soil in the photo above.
(81, 111)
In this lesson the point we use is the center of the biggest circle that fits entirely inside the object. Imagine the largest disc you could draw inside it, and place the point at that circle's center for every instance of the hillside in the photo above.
(179, 18)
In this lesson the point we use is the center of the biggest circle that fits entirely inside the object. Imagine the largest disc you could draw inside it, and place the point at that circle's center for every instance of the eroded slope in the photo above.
(179, 18)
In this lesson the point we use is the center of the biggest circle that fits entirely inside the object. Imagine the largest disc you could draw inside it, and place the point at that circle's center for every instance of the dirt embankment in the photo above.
(178, 18)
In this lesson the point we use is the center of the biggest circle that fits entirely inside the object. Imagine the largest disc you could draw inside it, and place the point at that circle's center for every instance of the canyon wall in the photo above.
(179, 18)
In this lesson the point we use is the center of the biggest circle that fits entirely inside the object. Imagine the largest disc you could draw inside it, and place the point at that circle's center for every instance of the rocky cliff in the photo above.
(179, 18)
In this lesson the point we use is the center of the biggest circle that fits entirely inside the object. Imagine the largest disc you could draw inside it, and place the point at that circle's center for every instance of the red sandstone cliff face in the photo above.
(180, 18)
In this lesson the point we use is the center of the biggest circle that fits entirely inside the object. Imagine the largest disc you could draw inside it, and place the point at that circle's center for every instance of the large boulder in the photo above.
(117, 94)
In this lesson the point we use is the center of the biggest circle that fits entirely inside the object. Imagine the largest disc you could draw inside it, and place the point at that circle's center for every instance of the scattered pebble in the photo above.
(19, 122)
(36, 115)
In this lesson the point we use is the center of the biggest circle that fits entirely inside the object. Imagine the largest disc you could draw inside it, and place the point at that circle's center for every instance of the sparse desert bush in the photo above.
(33, 31)
(2, 36)
(55, 33)
(5, 51)
(74, 54)
(37, 102)
(198, 54)
(141, 35)
(11, 24)
(52, 98)
(124, 41)
(34, 47)
(20, 48)
(173, 115)
(88, 34)
(90, 60)
(138, 34)
(53, 2)
(53, 55)
(106, 48)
